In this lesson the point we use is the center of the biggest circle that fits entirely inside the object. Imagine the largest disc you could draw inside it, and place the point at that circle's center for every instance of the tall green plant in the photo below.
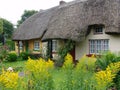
(104, 60)
(62, 52)
(40, 74)
(67, 68)
(83, 74)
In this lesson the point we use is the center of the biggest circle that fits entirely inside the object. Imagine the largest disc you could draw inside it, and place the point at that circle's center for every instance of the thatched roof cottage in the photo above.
(94, 25)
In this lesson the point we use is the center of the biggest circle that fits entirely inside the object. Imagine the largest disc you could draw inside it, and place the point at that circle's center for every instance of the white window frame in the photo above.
(21, 45)
(36, 45)
(98, 45)
(54, 45)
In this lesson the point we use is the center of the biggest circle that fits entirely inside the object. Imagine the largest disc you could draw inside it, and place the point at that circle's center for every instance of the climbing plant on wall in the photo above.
(62, 52)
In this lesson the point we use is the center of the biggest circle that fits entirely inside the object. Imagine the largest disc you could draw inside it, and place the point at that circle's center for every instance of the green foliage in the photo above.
(1, 25)
(107, 58)
(41, 75)
(17, 66)
(7, 28)
(117, 81)
(24, 55)
(86, 63)
(11, 57)
(62, 52)
(25, 15)
(3, 53)
(79, 77)
(67, 68)
(10, 44)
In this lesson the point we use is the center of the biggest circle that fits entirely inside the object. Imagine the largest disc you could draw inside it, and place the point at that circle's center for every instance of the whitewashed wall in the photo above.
(82, 48)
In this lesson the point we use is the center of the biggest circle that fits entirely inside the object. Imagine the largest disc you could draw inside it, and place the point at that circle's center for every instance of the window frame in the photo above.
(36, 45)
(98, 30)
(54, 46)
(20, 45)
(98, 45)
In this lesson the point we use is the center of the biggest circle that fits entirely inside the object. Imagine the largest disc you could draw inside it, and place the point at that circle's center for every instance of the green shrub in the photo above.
(24, 55)
(10, 44)
(11, 57)
(117, 81)
(107, 58)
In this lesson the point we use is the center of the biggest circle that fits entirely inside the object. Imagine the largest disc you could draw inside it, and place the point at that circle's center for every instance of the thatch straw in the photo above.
(34, 27)
(71, 20)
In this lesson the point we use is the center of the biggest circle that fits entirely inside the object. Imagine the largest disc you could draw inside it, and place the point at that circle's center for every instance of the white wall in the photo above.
(82, 48)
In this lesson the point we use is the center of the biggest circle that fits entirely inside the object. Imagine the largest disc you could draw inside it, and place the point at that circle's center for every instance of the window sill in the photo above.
(36, 50)
(90, 55)
(98, 33)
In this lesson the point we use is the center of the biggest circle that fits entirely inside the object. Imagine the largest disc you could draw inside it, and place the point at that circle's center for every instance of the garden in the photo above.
(90, 73)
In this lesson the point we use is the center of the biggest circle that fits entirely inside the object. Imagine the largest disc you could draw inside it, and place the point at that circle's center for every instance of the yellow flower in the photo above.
(9, 79)
(68, 61)
(105, 78)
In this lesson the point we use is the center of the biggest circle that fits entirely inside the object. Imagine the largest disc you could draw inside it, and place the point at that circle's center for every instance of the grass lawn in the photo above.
(17, 66)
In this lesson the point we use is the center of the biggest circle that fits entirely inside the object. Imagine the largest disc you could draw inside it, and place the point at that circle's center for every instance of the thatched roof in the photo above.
(71, 20)
(35, 26)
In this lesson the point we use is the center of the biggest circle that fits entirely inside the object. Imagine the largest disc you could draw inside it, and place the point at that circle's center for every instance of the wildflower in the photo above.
(105, 78)
(68, 61)
(40, 73)
(9, 79)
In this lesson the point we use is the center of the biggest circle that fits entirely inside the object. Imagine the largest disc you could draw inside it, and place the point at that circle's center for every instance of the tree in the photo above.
(7, 28)
(26, 14)
(1, 25)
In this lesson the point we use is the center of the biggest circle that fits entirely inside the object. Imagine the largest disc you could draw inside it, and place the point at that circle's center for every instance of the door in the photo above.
(72, 52)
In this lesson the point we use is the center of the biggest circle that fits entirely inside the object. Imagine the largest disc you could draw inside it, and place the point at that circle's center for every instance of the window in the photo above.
(54, 45)
(20, 44)
(36, 45)
(98, 30)
(96, 46)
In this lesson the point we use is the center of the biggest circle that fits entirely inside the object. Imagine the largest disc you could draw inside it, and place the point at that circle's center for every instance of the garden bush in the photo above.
(40, 73)
(11, 57)
(105, 59)
(24, 55)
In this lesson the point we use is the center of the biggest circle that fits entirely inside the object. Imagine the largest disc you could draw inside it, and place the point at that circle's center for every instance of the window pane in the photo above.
(99, 30)
(96, 46)
(36, 45)
(54, 45)
(20, 44)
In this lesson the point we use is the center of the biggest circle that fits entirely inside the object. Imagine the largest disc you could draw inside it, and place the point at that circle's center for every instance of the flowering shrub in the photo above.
(67, 69)
(105, 78)
(9, 80)
(68, 62)
(83, 73)
(86, 63)
(40, 73)
(107, 58)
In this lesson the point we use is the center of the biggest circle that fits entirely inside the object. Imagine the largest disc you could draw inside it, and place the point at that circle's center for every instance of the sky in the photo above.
(12, 10)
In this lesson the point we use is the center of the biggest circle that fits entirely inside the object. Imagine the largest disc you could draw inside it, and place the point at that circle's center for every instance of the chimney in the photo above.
(62, 2)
